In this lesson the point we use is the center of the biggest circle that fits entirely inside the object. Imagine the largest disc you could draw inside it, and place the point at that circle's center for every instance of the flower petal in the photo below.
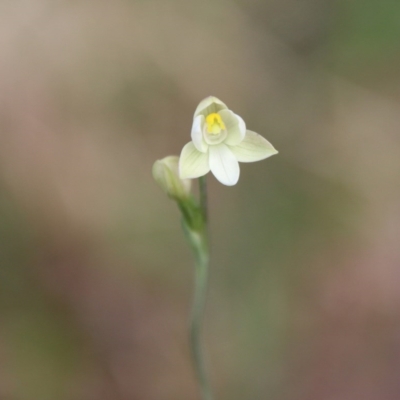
(253, 148)
(235, 126)
(192, 163)
(209, 105)
(224, 164)
(197, 134)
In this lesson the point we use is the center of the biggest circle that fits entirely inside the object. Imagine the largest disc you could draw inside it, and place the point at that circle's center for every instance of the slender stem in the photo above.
(201, 281)
(199, 242)
(203, 197)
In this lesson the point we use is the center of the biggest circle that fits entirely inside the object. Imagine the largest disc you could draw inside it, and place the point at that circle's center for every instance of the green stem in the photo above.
(203, 197)
(199, 242)
(201, 281)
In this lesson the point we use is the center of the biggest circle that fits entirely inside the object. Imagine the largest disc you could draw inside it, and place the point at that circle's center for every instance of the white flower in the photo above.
(219, 141)
(165, 173)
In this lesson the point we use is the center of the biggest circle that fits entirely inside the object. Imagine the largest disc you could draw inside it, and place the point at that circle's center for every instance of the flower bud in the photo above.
(166, 174)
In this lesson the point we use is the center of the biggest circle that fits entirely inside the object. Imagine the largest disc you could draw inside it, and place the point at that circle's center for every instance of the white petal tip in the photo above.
(229, 183)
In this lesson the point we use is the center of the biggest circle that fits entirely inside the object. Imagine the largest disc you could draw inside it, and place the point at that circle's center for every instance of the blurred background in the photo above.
(95, 275)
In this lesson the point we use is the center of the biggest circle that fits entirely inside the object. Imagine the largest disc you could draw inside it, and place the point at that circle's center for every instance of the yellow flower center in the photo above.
(214, 124)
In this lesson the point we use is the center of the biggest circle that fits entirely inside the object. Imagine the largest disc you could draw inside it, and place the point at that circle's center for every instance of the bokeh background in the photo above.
(95, 274)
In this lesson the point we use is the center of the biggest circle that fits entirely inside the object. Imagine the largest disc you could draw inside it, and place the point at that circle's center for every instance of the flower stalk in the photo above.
(198, 239)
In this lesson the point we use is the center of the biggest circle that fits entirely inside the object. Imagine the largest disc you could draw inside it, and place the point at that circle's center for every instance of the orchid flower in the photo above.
(219, 142)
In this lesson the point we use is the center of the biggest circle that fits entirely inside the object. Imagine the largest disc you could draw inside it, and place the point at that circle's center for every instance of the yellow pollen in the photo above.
(214, 124)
